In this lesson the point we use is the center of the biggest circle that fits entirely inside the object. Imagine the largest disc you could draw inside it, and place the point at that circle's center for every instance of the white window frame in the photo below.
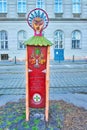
(58, 6)
(22, 8)
(76, 6)
(59, 41)
(3, 40)
(21, 37)
(40, 4)
(76, 39)
(3, 6)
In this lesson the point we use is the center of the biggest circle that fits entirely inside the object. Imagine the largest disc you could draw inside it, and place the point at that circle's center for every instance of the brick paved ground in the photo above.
(65, 78)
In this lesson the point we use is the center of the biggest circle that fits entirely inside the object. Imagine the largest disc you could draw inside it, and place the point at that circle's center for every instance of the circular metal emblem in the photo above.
(38, 20)
(37, 98)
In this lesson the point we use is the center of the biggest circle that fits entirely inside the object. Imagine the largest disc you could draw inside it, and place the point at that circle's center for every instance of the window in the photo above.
(21, 39)
(3, 40)
(76, 6)
(76, 39)
(58, 6)
(3, 6)
(40, 4)
(4, 56)
(21, 6)
(59, 39)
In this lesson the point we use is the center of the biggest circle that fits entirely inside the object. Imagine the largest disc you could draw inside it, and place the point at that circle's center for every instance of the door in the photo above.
(59, 54)
(59, 45)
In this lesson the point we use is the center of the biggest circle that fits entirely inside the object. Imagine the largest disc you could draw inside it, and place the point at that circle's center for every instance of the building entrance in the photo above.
(59, 54)
(59, 45)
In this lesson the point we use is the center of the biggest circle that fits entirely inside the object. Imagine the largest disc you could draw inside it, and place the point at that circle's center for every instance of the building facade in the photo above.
(67, 28)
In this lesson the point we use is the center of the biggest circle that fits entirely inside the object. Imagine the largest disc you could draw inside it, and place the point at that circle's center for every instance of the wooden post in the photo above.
(27, 87)
(47, 84)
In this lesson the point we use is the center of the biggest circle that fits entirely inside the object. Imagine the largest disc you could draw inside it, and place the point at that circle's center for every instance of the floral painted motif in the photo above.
(37, 57)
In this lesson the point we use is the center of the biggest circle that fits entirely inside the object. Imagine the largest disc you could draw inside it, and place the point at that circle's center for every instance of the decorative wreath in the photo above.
(41, 17)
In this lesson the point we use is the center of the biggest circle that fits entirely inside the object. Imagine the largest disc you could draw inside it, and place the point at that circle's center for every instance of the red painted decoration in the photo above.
(37, 57)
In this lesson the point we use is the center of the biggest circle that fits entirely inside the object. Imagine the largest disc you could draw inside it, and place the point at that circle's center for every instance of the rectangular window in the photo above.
(21, 45)
(4, 56)
(4, 45)
(76, 6)
(40, 4)
(21, 6)
(76, 40)
(21, 39)
(3, 6)
(3, 40)
(75, 44)
(58, 6)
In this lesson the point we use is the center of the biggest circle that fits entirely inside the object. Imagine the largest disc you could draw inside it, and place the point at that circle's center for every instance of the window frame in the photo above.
(3, 40)
(57, 6)
(41, 5)
(23, 39)
(3, 4)
(59, 45)
(75, 44)
(76, 6)
(22, 9)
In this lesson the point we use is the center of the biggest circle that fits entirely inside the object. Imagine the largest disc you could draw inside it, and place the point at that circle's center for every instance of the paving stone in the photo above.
(62, 80)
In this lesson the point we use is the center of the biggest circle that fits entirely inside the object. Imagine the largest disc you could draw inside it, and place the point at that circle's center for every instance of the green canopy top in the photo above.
(38, 41)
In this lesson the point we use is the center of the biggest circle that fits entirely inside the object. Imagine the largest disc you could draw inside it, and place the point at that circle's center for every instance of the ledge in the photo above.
(21, 14)
(58, 15)
(51, 19)
(76, 15)
(3, 15)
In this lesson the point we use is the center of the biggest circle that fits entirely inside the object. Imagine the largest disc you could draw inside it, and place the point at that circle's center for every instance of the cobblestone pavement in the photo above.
(64, 78)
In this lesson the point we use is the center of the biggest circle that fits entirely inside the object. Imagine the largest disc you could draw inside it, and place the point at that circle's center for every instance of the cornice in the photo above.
(51, 19)
(12, 19)
(68, 19)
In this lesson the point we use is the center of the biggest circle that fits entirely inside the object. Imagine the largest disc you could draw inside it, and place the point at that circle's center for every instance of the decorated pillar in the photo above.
(37, 63)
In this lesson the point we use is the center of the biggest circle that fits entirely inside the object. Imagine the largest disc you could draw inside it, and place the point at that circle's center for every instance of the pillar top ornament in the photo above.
(38, 20)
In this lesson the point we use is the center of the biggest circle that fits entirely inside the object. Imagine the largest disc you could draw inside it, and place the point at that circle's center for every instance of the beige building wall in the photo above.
(12, 22)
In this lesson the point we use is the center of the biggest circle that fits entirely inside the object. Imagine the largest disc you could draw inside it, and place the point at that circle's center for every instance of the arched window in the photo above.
(3, 6)
(21, 39)
(59, 39)
(3, 40)
(21, 6)
(40, 4)
(76, 39)
(58, 6)
(76, 6)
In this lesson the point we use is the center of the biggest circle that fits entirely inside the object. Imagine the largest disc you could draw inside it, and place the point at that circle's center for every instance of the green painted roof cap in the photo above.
(38, 41)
